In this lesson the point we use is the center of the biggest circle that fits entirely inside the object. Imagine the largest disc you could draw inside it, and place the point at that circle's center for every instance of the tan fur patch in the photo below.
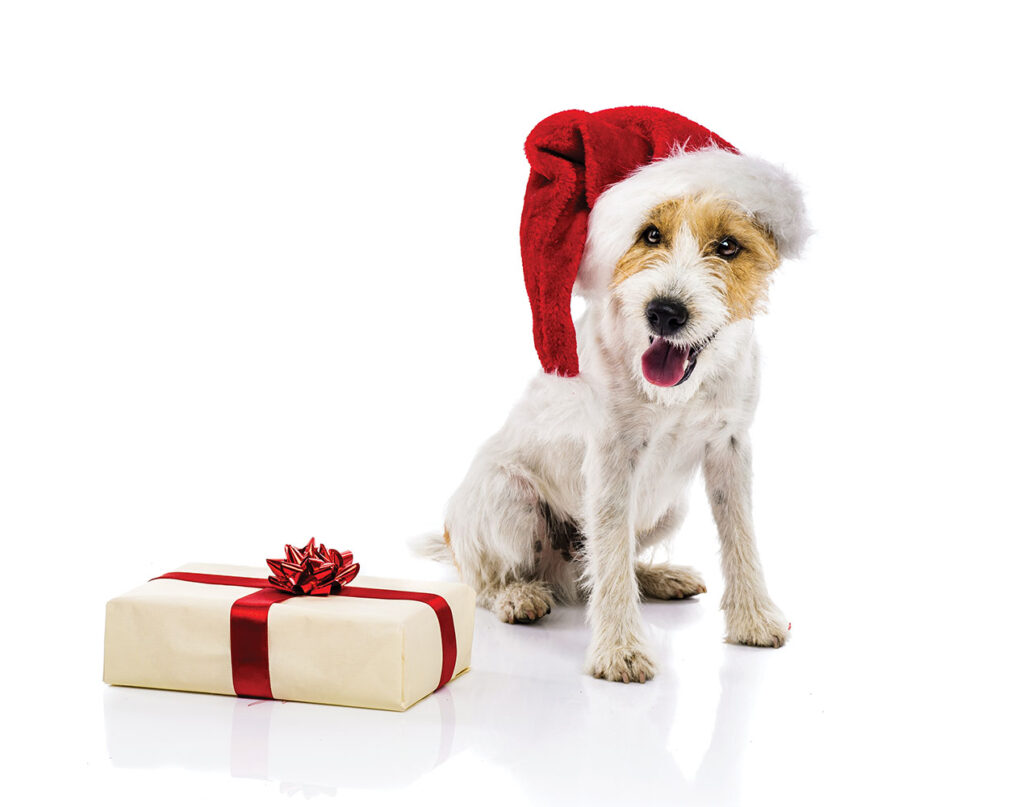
(448, 543)
(710, 220)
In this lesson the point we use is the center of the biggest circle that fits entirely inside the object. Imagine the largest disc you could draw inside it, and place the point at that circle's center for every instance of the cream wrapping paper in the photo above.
(380, 654)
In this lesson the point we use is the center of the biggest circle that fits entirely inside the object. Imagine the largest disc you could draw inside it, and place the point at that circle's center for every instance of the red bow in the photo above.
(312, 570)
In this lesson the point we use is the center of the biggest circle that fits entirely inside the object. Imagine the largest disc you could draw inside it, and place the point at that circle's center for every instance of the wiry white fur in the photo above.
(615, 454)
(763, 190)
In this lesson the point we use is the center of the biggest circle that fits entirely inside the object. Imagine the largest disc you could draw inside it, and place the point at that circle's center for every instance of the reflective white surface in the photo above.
(814, 722)
(524, 711)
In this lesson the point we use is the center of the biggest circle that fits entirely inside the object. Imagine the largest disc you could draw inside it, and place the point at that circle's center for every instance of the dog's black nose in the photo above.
(666, 316)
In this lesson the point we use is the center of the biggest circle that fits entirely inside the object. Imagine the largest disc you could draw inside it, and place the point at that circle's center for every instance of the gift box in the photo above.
(305, 633)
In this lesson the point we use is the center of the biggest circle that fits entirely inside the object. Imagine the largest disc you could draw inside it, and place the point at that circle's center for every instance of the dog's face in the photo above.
(697, 265)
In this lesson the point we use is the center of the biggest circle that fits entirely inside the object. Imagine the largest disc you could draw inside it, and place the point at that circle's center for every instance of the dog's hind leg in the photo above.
(662, 581)
(521, 601)
(494, 527)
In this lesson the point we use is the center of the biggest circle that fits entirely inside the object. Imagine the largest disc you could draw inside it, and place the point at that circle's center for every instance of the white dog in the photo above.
(591, 470)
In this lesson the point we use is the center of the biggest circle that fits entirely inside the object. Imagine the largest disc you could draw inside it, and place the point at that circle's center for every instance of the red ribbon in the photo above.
(250, 648)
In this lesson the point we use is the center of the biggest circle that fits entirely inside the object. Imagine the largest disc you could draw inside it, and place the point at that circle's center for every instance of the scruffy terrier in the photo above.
(675, 254)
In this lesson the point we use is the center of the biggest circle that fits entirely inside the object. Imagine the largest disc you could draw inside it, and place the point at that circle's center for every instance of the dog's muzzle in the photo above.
(664, 363)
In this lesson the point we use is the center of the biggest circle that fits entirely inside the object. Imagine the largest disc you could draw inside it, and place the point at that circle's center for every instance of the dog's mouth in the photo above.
(668, 365)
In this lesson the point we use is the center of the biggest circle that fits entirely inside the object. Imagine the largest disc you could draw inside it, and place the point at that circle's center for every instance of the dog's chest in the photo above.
(671, 453)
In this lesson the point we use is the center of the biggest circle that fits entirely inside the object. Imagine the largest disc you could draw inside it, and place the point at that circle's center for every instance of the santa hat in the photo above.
(594, 177)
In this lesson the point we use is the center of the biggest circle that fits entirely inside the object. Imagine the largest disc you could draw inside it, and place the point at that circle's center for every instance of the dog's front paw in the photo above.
(760, 624)
(523, 602)
(622, 662)
(664, 582)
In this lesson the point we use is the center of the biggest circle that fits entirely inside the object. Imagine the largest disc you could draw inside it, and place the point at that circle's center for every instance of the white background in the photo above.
(261, 281)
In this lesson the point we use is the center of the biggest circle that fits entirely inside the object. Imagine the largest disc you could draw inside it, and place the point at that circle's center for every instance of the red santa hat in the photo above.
(594, 177)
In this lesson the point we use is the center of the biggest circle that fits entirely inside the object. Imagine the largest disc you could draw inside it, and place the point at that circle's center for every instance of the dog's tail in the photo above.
(433, 545)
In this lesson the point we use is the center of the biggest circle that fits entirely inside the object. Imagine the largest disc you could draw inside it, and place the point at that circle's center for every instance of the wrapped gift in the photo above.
(304, 633)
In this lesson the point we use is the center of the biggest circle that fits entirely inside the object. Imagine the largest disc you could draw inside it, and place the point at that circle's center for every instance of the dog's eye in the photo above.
(727, 248)
(652, 235)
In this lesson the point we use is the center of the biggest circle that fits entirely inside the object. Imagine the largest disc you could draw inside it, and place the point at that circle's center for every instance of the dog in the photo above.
(590, 471)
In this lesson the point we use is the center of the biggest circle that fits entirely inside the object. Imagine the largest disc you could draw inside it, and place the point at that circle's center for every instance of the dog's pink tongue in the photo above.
(664, 363)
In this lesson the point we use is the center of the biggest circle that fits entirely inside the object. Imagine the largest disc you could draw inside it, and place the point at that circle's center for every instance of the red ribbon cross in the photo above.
(250, 646)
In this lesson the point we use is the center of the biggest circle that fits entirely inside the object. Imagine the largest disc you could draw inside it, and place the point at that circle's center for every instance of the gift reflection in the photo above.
(524, 706)
(301, 745)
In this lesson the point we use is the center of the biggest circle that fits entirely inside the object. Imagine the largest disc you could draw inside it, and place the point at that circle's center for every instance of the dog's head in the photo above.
(696, 265)
(679, 254)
